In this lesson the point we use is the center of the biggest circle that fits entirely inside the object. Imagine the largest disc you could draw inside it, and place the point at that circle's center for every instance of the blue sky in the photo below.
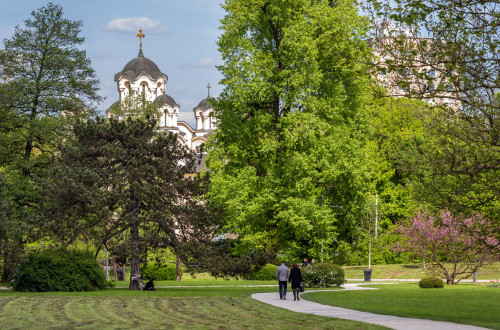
(180, 38)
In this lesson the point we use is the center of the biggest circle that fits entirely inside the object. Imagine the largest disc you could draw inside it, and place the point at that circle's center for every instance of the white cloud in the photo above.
(132, 24)
(206, 62)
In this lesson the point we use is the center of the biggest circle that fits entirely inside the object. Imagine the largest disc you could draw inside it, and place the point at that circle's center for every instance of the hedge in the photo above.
(323, 275)
(59, 270)
(265, 273)
(159, 272)
(431, 282)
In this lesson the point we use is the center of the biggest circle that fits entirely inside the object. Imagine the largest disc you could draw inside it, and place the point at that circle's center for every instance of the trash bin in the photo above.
(119, 274)
(368, 275)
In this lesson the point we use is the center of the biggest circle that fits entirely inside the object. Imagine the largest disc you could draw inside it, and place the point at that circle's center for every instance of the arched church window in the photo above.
(127, 85)
(144, 85)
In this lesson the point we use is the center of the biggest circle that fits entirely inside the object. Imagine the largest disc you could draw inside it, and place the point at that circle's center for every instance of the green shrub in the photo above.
(59, 270)
(265, 273)
(159, 272)
(431, 282)
(323, 275)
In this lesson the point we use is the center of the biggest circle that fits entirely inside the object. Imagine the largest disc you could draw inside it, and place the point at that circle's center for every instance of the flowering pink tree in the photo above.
(457, 246)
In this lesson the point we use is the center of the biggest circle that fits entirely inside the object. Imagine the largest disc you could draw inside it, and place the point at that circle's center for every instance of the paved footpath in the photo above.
(394, 322)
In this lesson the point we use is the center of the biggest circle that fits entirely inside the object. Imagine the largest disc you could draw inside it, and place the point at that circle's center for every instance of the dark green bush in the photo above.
(59, 270)
(323, 275)
(159, 272)
(431, 282)
(265, 273)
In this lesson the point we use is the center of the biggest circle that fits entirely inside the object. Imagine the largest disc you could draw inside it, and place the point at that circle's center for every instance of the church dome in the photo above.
(166, 99)
(138, 66)
(203, 105)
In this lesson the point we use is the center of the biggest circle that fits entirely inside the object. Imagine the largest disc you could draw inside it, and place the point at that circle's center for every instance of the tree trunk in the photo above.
(178, 267)
(114, 268)
(134, 257)
(5, 271)
(123, 270)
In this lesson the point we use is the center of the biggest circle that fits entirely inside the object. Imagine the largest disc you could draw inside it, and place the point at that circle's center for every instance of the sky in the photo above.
(180, 38)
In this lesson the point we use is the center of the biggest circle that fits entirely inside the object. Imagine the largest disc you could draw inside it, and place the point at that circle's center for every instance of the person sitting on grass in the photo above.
(150, 286)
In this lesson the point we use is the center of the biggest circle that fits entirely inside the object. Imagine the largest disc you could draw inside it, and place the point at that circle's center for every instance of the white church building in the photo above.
(142, 75)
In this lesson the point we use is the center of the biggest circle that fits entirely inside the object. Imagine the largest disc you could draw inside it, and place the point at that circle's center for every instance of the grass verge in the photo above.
(466, 303)
(173, 308)
(412, 271)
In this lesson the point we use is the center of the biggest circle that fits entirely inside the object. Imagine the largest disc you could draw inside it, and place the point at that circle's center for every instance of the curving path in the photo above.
(394, 322)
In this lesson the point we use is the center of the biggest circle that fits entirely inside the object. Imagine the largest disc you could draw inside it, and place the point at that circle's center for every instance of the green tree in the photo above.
(124, 177)
(292, 124)
(12, 232)
(399, 126)
(49, 78)
(453, 46)
(49, 82)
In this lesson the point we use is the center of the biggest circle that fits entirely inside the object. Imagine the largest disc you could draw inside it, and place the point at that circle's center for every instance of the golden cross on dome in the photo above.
(140, 35)
(208, 86)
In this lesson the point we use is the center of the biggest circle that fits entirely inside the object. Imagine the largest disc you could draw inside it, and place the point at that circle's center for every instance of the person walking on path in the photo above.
(282, 276)
(305, 264)
(295, 278)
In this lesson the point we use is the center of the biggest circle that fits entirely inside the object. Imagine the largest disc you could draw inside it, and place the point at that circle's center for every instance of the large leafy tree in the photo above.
(453, 47)
(125, 177)
(292, 124)
(49, 77)
(48, 83)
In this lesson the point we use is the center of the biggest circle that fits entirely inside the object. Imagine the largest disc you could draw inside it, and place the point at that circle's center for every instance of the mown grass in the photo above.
(466, 303)
(411, 271)
(205, 280)
(172, 308)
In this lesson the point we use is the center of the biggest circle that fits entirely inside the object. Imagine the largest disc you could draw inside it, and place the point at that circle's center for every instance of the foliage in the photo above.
(467, 243)
(48, 84)
(382, 250)
(11, 232)
(458, 43)
(461, 46)
(265, 273)
(323, 275)
(125, 178)
(59, 270)
(292, 124)
(223, 258)
(431, 282)
(159, 272)
(493, 284)
(399, 132)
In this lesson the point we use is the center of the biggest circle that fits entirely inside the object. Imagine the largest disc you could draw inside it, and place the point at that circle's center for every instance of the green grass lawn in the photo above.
(203, 280)
(172, 308)
(465, 303)
(412, 271)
